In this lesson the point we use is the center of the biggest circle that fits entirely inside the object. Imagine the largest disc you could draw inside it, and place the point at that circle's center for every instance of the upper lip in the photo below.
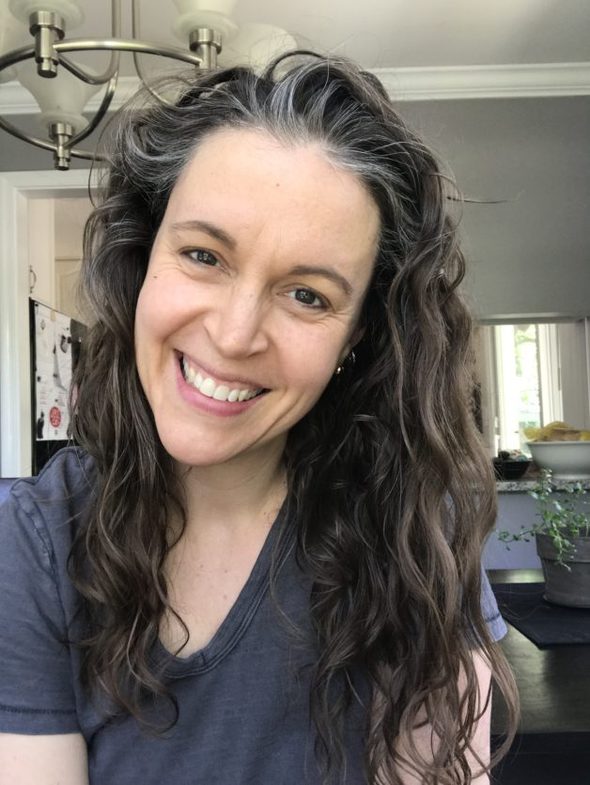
(236, 381)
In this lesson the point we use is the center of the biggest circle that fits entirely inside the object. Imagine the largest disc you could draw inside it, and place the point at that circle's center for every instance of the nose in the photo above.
(237, 323)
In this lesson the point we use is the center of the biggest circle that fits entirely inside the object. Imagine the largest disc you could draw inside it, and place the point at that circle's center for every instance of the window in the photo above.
(532, 373)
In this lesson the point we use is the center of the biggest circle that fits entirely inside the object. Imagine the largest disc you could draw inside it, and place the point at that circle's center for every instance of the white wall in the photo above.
(530, 254)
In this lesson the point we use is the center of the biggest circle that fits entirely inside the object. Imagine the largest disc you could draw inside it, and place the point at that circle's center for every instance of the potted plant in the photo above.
(562, 534)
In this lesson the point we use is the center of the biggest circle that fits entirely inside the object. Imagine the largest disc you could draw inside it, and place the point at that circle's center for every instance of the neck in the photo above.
(238, 495)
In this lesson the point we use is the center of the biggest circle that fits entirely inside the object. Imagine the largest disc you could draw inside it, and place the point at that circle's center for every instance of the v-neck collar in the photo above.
(237, 620)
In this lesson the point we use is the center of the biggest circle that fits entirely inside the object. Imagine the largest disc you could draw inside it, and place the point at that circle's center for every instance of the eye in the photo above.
(202, 257)
(308, 298)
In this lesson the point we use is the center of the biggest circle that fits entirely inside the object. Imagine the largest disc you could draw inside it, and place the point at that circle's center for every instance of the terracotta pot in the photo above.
(562, 586)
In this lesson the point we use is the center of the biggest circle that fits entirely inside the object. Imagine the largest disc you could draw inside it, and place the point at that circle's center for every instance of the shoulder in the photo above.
(42, 510)
(63, 487)
(69, 473)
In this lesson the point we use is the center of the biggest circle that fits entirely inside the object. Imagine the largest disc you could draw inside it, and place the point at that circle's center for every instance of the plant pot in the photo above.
(562, 586)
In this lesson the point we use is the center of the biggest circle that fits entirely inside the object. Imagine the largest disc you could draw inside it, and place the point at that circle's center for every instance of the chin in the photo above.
(193, 454)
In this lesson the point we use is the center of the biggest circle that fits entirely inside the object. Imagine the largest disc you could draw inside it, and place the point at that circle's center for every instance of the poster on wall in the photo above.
(53, 373)
(55, 340)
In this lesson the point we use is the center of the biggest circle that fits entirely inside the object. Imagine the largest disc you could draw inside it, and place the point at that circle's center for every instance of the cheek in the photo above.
(311, 362)
(142, 339)
(152, 327)
(143, 322)
(156, 312)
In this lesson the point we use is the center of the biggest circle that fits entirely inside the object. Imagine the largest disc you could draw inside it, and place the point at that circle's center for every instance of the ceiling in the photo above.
(394, 33)
(421, 49)
(380, 34)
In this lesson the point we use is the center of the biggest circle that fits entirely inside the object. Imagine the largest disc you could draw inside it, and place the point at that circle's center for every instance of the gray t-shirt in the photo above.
(243, 700)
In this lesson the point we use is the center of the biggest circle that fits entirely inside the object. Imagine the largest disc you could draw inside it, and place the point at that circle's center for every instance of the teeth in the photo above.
(221, 393)
(210, 388)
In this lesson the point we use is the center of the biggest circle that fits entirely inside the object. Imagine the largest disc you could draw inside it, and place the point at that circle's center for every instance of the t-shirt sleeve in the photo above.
(36, 689)
(491, 613)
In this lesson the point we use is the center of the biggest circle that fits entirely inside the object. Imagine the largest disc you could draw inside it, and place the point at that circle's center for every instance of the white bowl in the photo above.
(567, 460)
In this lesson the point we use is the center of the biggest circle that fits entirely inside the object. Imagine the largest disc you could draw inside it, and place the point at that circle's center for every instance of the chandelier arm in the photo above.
(88, 155)
(100, 113)
(124, 45)
(154, 93)
(115, 55)
(116, 18)
(134, 18)
(16, 56)
(34, 140)
(136, 61)
(14, 131)
(78, 72)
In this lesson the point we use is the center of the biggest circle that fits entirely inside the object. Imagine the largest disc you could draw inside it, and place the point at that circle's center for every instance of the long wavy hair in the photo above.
(389, 485)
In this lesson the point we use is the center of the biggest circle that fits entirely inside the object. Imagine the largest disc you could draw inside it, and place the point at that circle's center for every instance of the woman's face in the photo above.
(252, 295)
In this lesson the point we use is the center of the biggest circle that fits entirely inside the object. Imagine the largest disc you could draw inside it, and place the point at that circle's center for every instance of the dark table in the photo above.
(553, 743)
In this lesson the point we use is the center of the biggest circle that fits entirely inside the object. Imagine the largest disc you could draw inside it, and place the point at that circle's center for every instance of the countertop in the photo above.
(528, 483)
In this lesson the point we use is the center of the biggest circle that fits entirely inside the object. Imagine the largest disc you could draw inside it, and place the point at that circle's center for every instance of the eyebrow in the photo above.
(209, 228)
(220, 234)
(324, 272)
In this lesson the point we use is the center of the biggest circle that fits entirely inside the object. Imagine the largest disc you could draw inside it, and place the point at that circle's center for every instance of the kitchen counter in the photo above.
(527, 484)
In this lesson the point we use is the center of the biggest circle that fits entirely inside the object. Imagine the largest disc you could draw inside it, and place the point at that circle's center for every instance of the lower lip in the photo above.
(196, 399)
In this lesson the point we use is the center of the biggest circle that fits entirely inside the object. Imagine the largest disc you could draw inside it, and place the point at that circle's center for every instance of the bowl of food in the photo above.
(567, 460)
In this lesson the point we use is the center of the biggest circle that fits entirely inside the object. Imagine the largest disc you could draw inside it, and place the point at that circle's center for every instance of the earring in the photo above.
(350, 360)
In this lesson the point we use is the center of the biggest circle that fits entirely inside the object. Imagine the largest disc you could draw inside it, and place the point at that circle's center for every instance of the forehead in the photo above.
(254, 185)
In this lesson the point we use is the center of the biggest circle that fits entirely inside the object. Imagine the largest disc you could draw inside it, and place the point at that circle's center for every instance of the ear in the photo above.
(356, 336)
(352, 342)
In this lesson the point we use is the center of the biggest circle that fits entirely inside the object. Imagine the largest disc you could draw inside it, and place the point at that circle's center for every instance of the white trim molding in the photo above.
(404, 84)
(16, 189)
(486, 81)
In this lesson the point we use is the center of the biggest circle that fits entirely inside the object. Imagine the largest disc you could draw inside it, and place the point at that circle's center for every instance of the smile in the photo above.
(211, 388)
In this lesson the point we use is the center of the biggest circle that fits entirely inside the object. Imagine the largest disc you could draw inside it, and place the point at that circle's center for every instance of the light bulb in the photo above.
(13, 35)
(68, 9)
(61, 99)
(215, 14)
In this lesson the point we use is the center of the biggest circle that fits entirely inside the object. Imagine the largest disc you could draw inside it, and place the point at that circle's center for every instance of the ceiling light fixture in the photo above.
(62, 87)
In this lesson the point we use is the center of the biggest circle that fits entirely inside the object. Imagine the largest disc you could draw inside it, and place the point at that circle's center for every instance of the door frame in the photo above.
(16, 191)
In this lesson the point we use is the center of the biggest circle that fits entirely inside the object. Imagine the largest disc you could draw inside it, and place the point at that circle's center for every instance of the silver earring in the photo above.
(350, 359)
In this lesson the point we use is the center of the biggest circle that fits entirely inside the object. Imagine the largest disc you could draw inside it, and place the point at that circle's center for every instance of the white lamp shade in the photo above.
(61, 99)
(256, 45)
(68, 9)
(205, 13)
(13, 35)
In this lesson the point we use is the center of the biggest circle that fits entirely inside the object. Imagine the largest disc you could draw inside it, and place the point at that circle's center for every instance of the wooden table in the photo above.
(553, 742)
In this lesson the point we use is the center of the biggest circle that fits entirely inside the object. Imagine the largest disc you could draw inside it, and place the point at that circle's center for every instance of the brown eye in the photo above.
(202, 257)
(308, 298)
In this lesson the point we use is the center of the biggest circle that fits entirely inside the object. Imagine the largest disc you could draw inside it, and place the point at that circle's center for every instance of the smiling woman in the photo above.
(263, 563)
(233, 305)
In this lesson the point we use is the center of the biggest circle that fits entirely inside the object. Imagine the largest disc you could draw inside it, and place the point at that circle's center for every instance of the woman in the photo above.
(274, 528)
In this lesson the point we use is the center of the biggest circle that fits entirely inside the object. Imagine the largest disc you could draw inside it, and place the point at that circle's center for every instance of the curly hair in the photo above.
(391, 490)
